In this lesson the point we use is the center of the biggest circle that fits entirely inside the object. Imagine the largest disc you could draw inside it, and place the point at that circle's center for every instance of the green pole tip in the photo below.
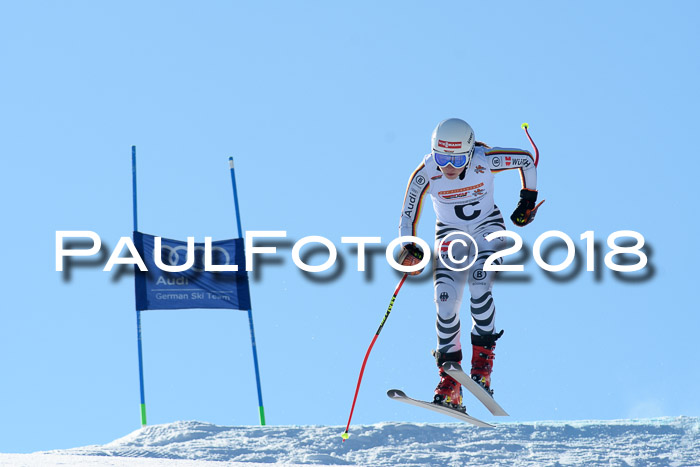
(524, 126)
(345, 435)
(262, 415)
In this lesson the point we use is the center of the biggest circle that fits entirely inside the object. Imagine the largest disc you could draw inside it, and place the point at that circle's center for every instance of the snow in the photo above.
(662, 441)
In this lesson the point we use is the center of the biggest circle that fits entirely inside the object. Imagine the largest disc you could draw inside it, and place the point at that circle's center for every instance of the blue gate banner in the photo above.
(195, 288)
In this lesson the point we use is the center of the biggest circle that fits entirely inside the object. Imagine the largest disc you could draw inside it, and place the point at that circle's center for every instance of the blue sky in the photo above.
(327, 108)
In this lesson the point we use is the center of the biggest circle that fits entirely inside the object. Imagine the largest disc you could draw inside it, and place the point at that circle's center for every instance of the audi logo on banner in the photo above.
(172, 256)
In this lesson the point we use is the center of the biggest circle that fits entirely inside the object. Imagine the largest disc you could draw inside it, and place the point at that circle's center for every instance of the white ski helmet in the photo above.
(453, 136)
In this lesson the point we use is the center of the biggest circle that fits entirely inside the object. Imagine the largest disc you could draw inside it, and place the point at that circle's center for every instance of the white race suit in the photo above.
(465, 204)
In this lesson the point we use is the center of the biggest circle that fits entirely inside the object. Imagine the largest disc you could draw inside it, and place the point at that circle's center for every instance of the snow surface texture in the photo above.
(661, 441)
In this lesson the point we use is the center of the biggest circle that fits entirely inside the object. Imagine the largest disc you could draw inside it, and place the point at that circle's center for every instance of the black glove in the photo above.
(410, 255)
(526, 210)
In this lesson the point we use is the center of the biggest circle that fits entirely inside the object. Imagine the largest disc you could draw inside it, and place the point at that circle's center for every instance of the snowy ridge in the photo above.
(662, 441)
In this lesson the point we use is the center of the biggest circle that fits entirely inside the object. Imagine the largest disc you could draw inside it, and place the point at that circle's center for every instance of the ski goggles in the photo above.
(456, 160)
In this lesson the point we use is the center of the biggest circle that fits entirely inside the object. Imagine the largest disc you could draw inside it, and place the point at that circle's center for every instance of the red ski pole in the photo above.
(525, 126)
(364, 362)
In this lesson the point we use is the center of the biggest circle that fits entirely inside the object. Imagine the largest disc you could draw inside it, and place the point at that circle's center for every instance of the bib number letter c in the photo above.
(459, 212)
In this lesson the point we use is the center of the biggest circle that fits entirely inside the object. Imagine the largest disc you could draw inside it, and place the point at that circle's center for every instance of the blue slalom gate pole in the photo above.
(138, 312)
(250, 310)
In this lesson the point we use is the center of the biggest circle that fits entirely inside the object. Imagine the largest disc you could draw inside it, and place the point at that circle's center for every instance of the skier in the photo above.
(458, 175)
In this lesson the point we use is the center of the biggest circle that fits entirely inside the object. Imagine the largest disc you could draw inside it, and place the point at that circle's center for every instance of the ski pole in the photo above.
(364, 362)
(525, 126)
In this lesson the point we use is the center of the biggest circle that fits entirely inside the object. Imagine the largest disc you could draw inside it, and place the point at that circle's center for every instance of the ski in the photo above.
(399, 395)
(454, 369)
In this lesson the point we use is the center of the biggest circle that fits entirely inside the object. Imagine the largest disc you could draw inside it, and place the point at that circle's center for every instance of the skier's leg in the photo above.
(481, 284)
(483, 309)
(449, 289)
(482, 305)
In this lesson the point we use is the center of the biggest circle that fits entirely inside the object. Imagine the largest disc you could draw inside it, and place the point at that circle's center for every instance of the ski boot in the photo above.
(448, 391)
(482, 359)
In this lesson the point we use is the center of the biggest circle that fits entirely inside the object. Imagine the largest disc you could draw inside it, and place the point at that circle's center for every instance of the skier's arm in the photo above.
(410, 213)
(501, 159)
(413, 201)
